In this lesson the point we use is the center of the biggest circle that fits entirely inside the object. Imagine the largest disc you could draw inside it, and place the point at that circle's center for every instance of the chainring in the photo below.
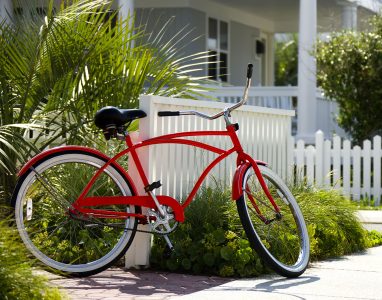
(159, 224)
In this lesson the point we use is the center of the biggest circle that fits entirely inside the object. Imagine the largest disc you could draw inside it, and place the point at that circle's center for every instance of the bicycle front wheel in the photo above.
(281, 240)
(76, 245)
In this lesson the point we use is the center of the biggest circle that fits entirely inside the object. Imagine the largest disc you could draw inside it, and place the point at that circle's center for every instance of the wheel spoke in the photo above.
(54, 236)
(279, 237)
(50, 189)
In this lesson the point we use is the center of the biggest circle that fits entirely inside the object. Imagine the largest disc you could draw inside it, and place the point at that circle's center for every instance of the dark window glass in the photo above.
(223, 70)
(223, 35)
(217, 44)
(212, 33)
(212, 66)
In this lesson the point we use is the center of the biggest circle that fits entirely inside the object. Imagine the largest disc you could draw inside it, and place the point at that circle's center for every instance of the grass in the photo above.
(17, 279)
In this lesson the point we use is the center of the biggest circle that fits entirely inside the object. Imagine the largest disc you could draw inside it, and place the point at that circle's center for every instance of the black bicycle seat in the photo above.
(111, 116)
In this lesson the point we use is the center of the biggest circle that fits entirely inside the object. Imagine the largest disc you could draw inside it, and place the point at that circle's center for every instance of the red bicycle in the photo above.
(77, 210)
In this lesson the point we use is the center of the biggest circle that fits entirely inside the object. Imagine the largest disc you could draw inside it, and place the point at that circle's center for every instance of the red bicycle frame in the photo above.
(86, 205)
(89, 205)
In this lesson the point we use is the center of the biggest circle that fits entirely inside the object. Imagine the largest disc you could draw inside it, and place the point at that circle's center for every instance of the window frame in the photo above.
(218, 48)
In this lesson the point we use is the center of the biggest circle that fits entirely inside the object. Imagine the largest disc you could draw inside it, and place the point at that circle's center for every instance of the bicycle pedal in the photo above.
(153, 186)
(167, 252)
(169, 247)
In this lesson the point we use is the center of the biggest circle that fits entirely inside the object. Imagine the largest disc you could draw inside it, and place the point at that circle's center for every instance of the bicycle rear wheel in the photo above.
(281, 240)
(74, 245)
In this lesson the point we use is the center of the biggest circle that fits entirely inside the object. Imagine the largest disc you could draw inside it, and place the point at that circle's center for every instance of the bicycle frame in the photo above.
(243, 162)
(85, 205)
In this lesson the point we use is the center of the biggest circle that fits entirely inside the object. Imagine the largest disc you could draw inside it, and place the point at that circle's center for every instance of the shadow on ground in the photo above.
(132, 284)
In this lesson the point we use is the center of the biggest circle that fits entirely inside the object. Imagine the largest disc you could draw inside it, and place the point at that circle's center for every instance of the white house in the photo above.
(243, 31)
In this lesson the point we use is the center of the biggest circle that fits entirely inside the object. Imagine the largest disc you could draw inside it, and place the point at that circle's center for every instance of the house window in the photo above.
(217, 45)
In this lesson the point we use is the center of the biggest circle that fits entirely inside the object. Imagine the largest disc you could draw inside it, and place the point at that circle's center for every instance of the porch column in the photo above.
(307, 81)
(349, 14)
(126, 8)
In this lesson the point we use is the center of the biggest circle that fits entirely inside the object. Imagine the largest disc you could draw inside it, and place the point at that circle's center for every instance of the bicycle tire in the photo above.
(283, 244)
(72, 246)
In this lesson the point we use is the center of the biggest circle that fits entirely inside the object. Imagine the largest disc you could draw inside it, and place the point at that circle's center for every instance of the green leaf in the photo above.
(209, 259)
(226, 253)
(186, 264)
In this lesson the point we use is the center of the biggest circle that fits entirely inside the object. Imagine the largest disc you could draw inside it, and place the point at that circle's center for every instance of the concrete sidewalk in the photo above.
(350, 277)
(371, 219)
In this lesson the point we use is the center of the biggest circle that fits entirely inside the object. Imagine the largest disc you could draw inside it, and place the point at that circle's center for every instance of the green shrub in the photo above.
(334, 228)
(349, 72)
(374, 238)
(17, 281)
(212, 241)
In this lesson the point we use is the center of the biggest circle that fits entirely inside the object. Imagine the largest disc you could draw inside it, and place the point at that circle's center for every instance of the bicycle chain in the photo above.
(115, 225)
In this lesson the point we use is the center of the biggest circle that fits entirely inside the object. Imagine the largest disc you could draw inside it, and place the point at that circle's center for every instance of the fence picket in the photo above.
(327, 162)
(310, 164)
(346, 167)
(319, 158)
(356, 192)
(300, 161)
(366, 174)
(377, 154)
(355, 171)
(336, 161)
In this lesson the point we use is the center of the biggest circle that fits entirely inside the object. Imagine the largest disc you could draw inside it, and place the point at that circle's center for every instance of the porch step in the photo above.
(371, 219)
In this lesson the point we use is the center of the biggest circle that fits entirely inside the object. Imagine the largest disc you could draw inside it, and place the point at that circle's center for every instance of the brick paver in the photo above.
(139, 285)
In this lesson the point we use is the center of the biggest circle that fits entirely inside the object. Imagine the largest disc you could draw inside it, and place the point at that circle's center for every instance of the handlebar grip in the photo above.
(249, 71)
(168, 113)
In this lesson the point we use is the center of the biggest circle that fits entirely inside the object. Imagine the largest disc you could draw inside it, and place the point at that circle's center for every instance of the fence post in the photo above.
(138, 254)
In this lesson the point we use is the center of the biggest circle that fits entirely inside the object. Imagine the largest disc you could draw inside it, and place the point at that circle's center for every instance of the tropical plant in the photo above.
(57, 70)
(349, 71)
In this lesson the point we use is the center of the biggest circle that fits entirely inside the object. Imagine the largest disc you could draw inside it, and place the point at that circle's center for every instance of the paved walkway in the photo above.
(351, 277)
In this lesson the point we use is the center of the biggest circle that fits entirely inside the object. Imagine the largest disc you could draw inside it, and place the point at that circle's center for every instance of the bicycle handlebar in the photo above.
(212, 117)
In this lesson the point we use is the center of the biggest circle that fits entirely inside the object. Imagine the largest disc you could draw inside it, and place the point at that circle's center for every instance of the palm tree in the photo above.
(56, 71)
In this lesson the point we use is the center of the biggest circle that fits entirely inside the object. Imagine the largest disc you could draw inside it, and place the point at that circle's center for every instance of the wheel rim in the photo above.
(284, 239)
(58, 240)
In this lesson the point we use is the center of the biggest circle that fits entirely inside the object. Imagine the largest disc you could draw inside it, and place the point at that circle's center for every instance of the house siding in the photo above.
(242, 51)
(195, 21)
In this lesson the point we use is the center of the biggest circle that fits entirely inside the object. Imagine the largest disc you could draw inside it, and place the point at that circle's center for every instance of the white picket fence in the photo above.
(356, 171)
(264, 133)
